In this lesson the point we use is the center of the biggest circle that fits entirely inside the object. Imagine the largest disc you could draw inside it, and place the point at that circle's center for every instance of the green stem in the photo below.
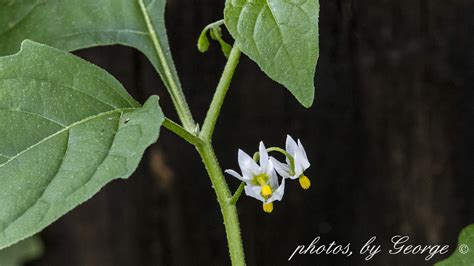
(172, 82)
(212, 25)
(204, 147)
(237, 193)
(280, 150)
(219, 95)
(228, 210)
(180, 131)
(203, 141)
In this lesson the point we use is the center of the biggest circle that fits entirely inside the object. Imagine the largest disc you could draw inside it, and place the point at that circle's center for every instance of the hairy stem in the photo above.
(219, 95)
(228, 210)
(205, 149)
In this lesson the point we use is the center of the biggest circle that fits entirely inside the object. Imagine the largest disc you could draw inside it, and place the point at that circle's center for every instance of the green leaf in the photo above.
(68, 128)
(281, 36)
(464, 253)
(72, 25)
(22, 252)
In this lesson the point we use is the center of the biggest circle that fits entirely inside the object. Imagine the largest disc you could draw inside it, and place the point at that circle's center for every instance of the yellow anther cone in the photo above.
(304, 182)
(266, 191)
(268, 207)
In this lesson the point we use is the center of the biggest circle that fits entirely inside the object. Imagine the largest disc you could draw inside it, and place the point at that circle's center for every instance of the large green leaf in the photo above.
(67, 128)
(22, 252)
(71, 25)
(282, 37)
(464, 253)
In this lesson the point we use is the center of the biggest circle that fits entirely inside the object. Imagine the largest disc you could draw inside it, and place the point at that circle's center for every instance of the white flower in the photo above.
(261, 181)
(296, 165)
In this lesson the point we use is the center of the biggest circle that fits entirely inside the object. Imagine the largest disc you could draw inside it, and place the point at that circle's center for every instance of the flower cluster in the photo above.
(260, 172)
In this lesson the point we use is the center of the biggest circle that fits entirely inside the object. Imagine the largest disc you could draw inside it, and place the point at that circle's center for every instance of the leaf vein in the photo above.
(44, 189)
(280, 33)
(35, 114)
(103, 160)
(66, 129)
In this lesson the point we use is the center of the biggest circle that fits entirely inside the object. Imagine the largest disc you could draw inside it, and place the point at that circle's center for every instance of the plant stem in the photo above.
(170, 78)
(205, 149)
(219, 95)
(228, 210)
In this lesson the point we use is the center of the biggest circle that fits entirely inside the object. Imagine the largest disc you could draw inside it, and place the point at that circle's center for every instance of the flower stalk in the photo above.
(237, 194)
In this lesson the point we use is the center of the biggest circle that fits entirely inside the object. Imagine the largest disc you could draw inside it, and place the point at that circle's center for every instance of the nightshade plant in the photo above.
(68, 127)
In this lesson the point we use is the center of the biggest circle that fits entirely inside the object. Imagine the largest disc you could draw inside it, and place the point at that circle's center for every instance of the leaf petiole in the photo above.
(181, 132)
(174, 89)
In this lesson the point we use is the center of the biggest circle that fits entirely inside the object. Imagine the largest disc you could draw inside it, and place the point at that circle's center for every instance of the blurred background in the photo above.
(389, 137)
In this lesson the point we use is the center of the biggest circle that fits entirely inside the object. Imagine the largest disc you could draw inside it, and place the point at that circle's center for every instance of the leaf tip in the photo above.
(306, 97)
(152, 101)
(308, 102)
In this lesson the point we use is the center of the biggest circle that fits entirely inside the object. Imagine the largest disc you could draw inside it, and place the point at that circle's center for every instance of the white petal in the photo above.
(254, 192)
(235, 174)
(301, 148)
(270, 168)
(247, 165)
(303, 157)
(291, 146)
(281, 168)
(278, 193)
(263, 157)
(299, 169)
(305, 164)
(273, 180)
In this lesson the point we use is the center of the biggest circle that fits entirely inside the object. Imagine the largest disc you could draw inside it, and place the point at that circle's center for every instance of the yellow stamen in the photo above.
(266, 191)
(304, 182)
(268, 207)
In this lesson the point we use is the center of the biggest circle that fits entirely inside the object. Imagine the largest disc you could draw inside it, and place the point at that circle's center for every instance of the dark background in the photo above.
(389, 138)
